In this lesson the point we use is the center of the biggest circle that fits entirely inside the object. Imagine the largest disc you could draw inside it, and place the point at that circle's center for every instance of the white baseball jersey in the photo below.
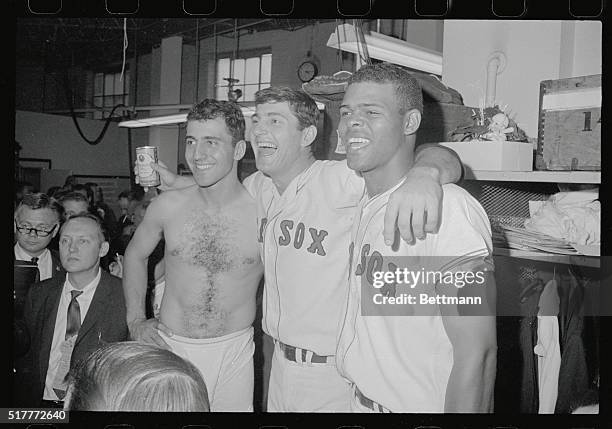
(403, 362)
(304, 238)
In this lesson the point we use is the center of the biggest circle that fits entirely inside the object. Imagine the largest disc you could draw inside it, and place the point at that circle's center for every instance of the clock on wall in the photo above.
(307, 70)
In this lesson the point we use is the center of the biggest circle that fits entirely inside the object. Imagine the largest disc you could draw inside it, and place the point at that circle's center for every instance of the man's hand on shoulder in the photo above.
(145, 331)
(414, 208)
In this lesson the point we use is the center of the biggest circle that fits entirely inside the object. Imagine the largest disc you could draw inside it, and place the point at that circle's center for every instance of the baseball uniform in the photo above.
(304, 237)
(401, 363)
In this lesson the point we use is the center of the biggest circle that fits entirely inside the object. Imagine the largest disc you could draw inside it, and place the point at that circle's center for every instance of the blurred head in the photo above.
(214, 141)
(82, 243)
(379, 117)
(74, 203)
(283, 128)
(124, 202)
(137, 212)
(86, 191)
(36, 222)
(70, 182)
(94, 192)
(130, 376)
(22, 188)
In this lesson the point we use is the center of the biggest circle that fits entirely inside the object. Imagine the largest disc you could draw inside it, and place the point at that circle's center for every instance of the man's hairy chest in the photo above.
(214, 243)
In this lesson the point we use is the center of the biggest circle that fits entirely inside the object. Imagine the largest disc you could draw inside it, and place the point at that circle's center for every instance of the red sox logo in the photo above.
(297, 237)
(370, 264)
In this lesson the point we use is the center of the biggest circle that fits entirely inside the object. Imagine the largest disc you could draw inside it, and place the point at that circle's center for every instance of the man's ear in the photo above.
(239, 150)
(309, 134)
(412, 121)
(104, 249)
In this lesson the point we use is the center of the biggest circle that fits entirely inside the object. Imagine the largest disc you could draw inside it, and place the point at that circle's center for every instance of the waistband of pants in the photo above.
(368, 403)
(45, 403)
(200, 341)
(296, 354)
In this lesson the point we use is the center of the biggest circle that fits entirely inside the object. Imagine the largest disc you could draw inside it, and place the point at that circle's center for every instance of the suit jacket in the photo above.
(21, 340)
(56, 263)
(105, 322)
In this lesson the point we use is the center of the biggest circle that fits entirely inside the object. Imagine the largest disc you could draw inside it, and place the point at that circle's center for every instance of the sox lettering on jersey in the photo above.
(370, 264)
(296, 237)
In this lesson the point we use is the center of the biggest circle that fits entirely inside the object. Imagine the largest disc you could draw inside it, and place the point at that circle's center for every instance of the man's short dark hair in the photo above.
(73, 196)
(301, 104)
(213, 109)
(407, 88)
(40, 200)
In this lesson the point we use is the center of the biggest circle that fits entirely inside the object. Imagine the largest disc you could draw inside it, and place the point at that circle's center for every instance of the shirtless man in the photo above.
(212, 261)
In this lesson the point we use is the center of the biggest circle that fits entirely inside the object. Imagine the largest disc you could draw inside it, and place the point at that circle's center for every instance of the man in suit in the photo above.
(37, 220)
(36, 223)
(68, 317)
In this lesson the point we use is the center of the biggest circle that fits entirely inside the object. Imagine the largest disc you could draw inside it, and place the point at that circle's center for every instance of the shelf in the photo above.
(582, 260)
(535, 176)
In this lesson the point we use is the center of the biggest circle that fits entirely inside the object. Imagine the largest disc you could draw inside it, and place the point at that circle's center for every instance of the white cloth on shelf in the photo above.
(574, 216)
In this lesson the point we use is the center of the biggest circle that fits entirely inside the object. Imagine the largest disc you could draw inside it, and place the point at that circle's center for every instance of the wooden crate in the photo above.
(569, 126)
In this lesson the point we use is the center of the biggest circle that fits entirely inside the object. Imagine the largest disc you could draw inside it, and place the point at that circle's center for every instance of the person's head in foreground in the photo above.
(129, 376)
(379, 117)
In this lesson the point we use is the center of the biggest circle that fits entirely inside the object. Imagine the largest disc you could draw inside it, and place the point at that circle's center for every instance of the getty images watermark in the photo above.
(410, 286)
(411, 278)
(470, 285)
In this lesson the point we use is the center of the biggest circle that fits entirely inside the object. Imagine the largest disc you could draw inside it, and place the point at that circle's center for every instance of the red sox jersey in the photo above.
(304, 237)
(403, 362)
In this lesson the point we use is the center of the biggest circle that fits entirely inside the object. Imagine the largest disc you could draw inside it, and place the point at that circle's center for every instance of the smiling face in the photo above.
(278, 142)
(210, 152)
(371, 125)
(81, 245)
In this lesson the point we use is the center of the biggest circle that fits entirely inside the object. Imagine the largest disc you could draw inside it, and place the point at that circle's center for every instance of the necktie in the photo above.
(35, 261)
(73, 322)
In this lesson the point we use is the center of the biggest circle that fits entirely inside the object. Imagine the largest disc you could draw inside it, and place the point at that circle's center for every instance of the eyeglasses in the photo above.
(38, 232)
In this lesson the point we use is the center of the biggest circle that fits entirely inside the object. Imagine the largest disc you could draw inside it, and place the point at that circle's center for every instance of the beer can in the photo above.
(146, 175)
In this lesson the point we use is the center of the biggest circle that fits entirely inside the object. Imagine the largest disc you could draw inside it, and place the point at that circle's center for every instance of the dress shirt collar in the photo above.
(22, 255)
(89, 287)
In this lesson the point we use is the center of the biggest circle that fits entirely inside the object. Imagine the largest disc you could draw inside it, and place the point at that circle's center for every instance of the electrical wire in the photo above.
(75, 119)
(125, 46)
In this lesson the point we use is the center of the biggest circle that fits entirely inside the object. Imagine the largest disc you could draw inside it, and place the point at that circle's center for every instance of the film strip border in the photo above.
(446, 9)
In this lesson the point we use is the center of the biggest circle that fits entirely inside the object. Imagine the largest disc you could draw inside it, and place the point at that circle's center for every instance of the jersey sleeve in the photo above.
(465, 231)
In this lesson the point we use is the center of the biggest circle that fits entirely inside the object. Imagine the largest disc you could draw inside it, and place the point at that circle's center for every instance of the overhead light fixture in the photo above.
(179, 118)
(386, 48)
(154, 120)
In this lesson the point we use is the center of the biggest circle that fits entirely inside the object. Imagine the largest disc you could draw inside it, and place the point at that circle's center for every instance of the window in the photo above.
(253, 73)
(109, 90)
